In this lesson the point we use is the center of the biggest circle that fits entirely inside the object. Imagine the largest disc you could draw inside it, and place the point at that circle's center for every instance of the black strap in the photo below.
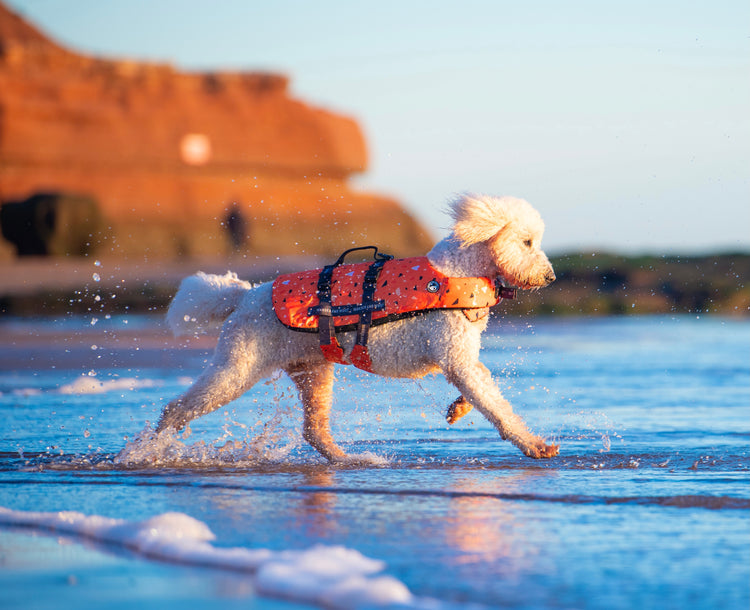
(325, 310)
(504, 292)
(369, 304)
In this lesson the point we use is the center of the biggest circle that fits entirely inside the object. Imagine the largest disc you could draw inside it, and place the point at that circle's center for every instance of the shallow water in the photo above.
(647, 504)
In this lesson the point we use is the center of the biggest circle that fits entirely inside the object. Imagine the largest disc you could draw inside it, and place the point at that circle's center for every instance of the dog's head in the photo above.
(508, 234)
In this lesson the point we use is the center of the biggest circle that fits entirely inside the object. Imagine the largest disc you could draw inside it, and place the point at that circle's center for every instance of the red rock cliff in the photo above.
(167, 153)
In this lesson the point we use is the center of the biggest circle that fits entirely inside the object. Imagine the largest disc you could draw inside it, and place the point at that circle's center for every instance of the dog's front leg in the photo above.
(315, 386)
(475, 383)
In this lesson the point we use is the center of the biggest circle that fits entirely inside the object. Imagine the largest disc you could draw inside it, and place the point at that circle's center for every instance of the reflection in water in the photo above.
(316, 509)
(486, 529)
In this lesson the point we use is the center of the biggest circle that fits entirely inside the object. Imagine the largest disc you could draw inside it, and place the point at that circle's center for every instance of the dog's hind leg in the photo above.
(315, 386)
(213, 389)
(237, 365)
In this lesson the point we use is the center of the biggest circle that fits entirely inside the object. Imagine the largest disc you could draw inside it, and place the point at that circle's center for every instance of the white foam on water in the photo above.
(25, 392)
(91, 385)
(329, 576)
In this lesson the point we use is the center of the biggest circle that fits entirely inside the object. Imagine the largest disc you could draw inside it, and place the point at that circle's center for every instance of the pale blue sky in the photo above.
(627, 124)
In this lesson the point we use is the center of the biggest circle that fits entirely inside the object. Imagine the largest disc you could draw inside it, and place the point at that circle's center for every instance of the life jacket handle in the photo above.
(377, 256)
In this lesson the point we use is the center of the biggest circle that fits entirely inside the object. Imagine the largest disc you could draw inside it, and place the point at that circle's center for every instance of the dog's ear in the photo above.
(477, 218)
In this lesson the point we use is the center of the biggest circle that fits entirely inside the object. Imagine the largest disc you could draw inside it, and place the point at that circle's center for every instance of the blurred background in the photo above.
(140, 140)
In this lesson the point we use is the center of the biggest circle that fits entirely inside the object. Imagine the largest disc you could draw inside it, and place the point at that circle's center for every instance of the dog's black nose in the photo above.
(550, 276)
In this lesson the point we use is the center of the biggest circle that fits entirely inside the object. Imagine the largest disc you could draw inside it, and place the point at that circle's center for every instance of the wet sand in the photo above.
(30, 276)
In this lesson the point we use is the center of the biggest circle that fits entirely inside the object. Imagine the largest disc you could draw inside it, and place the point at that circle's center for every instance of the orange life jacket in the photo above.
(398, 288)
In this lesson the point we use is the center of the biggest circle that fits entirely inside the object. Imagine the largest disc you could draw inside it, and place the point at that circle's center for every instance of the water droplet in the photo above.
(96, 277)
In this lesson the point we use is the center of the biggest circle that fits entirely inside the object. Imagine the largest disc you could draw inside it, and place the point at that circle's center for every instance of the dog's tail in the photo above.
(204, 301)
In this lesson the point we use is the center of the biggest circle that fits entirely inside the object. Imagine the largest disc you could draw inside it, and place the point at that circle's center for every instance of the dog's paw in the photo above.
(457, 409)
(541, 450)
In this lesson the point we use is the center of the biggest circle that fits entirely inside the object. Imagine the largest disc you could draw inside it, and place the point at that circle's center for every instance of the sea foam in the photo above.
(92, 385)
(330, 576)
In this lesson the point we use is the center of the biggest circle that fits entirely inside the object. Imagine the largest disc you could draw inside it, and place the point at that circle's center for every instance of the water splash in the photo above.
(151, 449)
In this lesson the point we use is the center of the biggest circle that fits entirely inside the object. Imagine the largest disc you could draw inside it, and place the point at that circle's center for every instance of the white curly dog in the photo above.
(494, 237)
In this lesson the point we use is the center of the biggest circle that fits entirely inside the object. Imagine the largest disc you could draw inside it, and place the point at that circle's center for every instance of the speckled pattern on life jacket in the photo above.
(405, 287)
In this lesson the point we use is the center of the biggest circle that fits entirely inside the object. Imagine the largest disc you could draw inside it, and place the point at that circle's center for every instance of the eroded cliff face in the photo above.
(195, 164)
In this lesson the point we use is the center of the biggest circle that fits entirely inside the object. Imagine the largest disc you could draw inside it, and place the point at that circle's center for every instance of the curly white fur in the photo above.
(204, 301)
(492, 237)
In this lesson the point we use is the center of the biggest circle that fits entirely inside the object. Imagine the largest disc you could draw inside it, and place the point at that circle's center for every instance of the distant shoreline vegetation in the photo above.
(591, 284)
(597, 283)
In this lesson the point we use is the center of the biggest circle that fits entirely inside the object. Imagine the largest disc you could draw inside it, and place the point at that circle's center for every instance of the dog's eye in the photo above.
(527, 243)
